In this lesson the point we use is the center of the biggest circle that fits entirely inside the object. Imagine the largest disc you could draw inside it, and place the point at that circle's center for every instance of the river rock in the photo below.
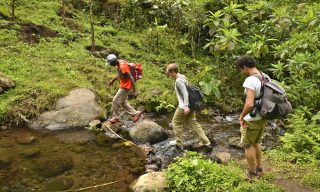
(26, 139)
(76, 110)
(148, 131)
(106, 141)
(6, 83)
(3, 128)
(235, 142)
(59, 184)
(78, 137)
(155, 181)
(5, 162)
(223, 157)
(30, 153)
(53, 165)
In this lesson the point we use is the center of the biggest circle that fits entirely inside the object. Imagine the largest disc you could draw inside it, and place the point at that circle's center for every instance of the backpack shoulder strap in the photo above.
(263, 81)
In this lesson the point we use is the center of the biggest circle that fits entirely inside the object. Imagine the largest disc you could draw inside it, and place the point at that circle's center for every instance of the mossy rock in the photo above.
(5, 162)
(53, 165)
(30, 153)
(59, 184)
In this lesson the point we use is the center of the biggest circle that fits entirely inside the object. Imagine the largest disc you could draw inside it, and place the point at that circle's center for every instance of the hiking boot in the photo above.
(114, 120)
(137, 116)
(201, 144)
(173, 142)
(259, 171)
(251, 176)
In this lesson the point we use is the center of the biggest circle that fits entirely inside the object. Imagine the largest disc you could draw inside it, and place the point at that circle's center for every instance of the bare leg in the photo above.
(251, 158)
(258, 154)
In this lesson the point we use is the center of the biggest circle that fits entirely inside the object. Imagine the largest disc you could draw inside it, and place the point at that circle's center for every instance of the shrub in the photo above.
(194, 173)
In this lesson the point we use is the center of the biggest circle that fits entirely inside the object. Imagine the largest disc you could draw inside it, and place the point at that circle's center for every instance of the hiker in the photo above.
(183, 114)
(127, 85)
(252, 124)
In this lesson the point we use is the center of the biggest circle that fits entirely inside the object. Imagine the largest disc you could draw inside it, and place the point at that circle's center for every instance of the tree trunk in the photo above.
(13, 17)
(93, 46)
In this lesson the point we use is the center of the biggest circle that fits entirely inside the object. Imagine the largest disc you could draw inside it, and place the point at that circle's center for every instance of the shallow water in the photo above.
(75, 159)
(33, 161)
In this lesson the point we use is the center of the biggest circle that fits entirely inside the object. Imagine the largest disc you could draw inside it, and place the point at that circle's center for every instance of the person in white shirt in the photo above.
(252, 124)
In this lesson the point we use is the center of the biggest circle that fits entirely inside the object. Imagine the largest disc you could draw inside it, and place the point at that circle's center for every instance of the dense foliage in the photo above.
(195, 173)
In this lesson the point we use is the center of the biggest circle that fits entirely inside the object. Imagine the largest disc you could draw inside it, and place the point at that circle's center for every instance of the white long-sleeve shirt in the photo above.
(181, 91)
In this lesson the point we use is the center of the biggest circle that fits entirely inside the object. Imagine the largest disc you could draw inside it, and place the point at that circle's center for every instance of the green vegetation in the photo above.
(194, 173)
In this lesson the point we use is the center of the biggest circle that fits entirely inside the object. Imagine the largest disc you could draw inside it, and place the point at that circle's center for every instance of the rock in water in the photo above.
(53, 165)
(60, 184)
(148, 132)
(76, 110)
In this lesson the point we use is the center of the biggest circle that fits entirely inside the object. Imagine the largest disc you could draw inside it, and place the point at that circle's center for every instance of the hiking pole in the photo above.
(95, 186)
(119, 135)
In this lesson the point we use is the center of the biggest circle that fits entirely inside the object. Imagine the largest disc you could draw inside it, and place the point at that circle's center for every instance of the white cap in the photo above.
(111, 57)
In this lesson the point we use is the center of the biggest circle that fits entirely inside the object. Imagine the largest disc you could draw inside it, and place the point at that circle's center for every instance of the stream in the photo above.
(75, 159)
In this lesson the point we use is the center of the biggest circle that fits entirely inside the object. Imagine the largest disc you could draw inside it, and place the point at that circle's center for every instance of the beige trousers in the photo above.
(178, 121)
(121, 100)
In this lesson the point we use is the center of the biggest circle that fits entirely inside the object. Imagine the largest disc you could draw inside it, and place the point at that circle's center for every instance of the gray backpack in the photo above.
(272, 102)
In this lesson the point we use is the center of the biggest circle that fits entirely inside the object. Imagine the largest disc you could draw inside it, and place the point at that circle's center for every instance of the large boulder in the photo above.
(6, 83)
(148, 131)
(76, 110)
(155, 181)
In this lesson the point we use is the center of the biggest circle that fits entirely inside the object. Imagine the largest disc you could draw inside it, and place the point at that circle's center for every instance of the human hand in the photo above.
(110, 83)
(243, 123)
(186, 110)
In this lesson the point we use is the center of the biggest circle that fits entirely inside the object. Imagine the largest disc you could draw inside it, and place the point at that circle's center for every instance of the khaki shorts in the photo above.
(254, 132)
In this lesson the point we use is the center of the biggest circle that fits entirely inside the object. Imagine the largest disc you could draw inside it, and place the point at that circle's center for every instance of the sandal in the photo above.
(114, 120)
(137, 116)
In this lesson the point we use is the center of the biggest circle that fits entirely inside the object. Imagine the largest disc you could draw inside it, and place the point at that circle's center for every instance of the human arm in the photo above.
(132, 81)
(113, 80)
(181, 86)
(247, 106)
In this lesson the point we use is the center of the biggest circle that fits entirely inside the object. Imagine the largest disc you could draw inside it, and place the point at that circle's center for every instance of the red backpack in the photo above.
(136, 70)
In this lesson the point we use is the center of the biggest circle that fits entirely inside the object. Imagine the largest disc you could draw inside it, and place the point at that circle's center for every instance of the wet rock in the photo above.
(163, 154)
(53, 165)
(155, 181)
(5, 162)
(223, 157)
(59, 184)
(152, 168)
(107, 126)
(6, 83)
(6, 143)
(95, 123)
(137, 170)
(3, 128)
(136, 162)
(148, 131)
(17, 187)
(103, 140)
(78, 137)
(235, 142)
(76, 110)
(30, 153)
(146, 149)
(25, 139)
